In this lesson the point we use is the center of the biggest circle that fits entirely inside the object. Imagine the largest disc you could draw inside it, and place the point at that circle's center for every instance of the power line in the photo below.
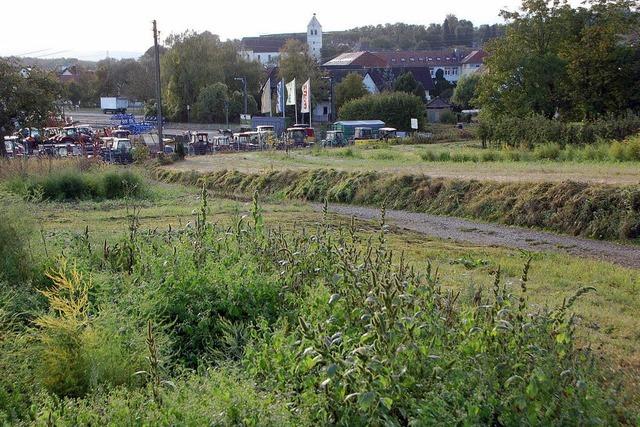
(32, 52)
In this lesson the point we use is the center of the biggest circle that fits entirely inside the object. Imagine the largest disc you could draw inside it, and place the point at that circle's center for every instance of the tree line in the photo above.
(451, 33)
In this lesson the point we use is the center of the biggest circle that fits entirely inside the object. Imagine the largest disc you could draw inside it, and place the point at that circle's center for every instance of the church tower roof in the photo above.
(314, 22)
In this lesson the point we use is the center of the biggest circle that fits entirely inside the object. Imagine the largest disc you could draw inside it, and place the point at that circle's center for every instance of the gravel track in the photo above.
(462, 230)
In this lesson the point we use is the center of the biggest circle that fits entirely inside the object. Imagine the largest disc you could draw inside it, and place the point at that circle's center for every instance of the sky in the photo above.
(86, 29)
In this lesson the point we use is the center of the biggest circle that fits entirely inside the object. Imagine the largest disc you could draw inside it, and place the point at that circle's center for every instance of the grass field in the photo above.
(608, 317)
(419, 159)
(211, 274)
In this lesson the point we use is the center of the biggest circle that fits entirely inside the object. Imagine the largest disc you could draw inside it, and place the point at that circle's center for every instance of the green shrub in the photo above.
(140, 153)
(444, 156)
(116, 185)
(536, 129)
(449, 118)
(211, 397)
(16, 267)
(80, 350)
(71, 184)
(180, 153)
(428, 156)
(549, 151)
(396, 109)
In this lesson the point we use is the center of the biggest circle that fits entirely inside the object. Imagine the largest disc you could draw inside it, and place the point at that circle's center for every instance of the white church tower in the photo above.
(314, 38)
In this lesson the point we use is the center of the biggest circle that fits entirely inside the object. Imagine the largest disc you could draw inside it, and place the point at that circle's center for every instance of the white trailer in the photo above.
(110, 104)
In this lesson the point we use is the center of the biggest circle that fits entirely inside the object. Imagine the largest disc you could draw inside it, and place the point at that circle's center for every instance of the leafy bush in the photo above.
(212, 397)
(71, 184)
(15, 264)
(140, 153)
(396, 109)
(537, 129)
(180, 153)
(116, 185)
(79, 351)
(448, 117)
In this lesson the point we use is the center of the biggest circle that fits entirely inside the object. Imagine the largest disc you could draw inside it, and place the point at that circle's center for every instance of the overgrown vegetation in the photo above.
(396, 109)
(297, 327)
(593, 210)
(534, 130)
(71, 184)
(617, 151)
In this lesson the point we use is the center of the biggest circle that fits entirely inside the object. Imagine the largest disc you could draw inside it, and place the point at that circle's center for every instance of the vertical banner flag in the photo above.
(291, 92)
(280, 96)
(266, 97)
(306, 97)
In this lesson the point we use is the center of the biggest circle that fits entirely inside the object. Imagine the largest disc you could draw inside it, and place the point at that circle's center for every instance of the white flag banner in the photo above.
(306, 97)
(266, 97)
(280, 98)
(291, 92)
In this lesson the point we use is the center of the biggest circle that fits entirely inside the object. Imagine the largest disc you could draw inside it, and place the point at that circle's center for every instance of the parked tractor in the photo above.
(335, 138)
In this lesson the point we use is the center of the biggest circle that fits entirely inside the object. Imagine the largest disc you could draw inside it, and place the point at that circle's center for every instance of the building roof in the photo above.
(475, 57)
(381, 75)
(356, 59)
(362, 123)
(314, 22)
(423, 58)
(438, 104)
(270, 43)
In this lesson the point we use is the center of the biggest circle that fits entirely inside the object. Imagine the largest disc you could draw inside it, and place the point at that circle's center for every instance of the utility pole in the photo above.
(156, 50)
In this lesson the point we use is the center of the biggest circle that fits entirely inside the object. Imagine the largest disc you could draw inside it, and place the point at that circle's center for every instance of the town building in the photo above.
(454, 63)
(266, 48)
(473, 62)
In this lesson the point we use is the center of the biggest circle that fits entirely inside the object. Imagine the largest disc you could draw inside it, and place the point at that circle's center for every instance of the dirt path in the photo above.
(497, 235)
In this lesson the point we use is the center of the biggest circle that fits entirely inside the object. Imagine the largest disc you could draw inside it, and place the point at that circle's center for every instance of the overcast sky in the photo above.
(87, 30)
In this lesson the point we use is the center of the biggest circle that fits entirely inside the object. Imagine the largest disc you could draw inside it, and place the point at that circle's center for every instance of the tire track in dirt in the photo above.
(462, 230)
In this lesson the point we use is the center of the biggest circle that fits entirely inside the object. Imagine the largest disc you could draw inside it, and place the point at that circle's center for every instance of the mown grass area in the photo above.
(547, 163)
(179, 309)
(592, 210)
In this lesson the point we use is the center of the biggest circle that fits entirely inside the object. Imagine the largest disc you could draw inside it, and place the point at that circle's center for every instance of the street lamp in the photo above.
(188, 109)
(244, 88)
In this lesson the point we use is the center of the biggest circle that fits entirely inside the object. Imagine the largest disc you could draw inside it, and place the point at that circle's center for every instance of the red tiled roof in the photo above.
(359, 59)
(475, 57)
(424, 58)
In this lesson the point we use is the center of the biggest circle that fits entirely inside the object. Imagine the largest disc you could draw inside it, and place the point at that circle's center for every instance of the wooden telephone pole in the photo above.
(156, 50)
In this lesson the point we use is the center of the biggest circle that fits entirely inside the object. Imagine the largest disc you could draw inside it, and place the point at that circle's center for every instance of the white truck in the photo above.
(113, 105)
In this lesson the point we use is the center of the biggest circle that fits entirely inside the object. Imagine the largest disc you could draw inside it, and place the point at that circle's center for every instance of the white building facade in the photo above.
(314, 38)
(266, 49)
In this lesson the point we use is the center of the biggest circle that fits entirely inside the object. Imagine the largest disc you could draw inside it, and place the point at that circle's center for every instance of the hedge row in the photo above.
(537, 129)
(584, 209)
